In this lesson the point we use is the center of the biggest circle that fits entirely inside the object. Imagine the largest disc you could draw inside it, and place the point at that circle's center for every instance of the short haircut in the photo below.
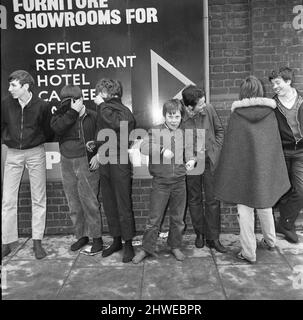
(70, 92)
(285, 73)
(172, 106)
(251, 87)
(23, 77)
(192, 94)
(112, 87)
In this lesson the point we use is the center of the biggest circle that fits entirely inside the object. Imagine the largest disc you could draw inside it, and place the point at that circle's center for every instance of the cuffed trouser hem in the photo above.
(9, 240)
(37, 237)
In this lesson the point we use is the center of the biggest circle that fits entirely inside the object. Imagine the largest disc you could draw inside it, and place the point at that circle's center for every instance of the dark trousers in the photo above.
(291, 203)
(162, 195)
(81, 188)
(205, 219)
(115, 180)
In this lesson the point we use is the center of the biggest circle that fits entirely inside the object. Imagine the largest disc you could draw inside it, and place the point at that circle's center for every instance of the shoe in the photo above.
(97, 245)
(140, 256)
(5, 250)
(114, 247)
(215, 244)
(79, 243)
(38, 250)
(264, 245)
(178, 254)
(290, 235)
(199, 242)
(128, 252)
(241, 257)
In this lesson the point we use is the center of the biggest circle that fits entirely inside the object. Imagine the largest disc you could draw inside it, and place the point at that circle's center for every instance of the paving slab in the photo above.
(86, 261)
(106, 283)
(33, 279)
(259, 282)
(191, 279)
(290, 248)
(205, 273)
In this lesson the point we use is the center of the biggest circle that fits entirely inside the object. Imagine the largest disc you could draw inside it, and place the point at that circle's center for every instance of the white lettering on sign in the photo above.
(141, 15)
(88, 94)
(62, 79)
(298, 19)
(66, 19)
(85, 63)
(56, 5)
(63, 47)
(32, 14)
(52, 157)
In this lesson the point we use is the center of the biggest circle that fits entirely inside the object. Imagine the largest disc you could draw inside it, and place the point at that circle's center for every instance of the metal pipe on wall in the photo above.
(206, 49)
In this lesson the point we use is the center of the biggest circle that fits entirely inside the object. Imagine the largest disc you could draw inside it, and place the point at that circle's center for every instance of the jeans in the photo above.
(291, 203)
(81, 188)
(116, 186)
(163, 194)
(246, 219)
(204, 220)
(16, 160)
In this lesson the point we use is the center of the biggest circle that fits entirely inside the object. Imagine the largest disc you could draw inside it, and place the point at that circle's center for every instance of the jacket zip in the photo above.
(21, 132)
(297, 141)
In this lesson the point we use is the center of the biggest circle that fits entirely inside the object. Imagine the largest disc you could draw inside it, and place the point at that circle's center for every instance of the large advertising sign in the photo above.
(154, 47)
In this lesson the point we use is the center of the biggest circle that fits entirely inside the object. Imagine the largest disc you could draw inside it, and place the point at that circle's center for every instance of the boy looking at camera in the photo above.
(165, 147)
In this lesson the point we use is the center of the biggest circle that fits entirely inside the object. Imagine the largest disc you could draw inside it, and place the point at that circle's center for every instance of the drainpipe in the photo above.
(206, 49)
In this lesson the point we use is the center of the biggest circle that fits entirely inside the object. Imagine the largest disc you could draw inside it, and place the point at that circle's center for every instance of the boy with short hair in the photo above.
(164, 144)
(289, 113)
(115, 174)
(25, 127)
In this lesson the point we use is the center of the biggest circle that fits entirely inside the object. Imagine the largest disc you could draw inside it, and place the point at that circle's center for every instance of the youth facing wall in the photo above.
(246, 37)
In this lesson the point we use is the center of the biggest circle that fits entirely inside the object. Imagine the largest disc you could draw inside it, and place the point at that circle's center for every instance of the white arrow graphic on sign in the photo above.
(155, 61)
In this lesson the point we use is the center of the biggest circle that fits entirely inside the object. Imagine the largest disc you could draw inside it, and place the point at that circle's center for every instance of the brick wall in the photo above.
(246, 37)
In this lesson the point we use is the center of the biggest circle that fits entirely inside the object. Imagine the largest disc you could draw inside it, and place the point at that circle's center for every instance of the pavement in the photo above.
(204, 275)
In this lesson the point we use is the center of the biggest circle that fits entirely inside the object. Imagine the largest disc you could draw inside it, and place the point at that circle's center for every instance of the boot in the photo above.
(97, 245)
(6, 250)
(79, 243)
(199, 242)
(38, 250)
(114, 247)
(290, 235)
(128, 252)
(215, 244)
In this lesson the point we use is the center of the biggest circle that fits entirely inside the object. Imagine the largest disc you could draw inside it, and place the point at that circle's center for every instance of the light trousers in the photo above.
(246, 219)
(16, 160)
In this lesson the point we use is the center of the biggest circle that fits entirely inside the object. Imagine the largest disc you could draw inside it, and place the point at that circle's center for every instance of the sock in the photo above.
(129, 252)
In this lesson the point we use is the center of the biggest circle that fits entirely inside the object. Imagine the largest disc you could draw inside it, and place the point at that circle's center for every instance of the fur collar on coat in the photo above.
(253, 102)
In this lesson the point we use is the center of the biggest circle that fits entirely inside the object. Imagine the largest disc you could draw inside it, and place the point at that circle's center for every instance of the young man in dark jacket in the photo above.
(205, 220)
(166, 147)
(75, 125)
(115, 170)
(24, 130)
(289, 113)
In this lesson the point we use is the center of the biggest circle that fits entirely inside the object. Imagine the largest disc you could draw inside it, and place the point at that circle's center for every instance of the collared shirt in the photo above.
(23, 104)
